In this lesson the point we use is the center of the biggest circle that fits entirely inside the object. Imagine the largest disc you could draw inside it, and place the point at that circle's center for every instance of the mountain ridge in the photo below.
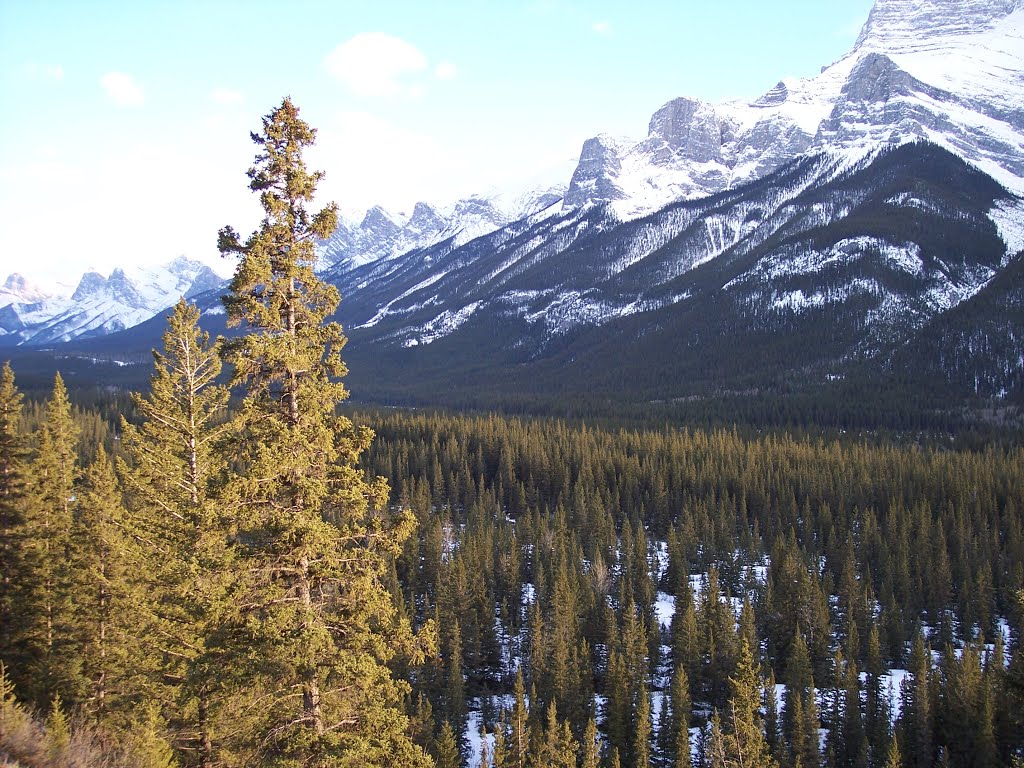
(943, 71)
(829, 231)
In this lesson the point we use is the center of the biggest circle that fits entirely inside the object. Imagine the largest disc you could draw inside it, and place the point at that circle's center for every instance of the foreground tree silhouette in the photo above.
(317, 627)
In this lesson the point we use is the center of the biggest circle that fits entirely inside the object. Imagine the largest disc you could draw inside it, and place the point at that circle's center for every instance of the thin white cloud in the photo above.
(226, 96)
(55, 72)
(374, 64)
(122, 89)
(602, 28)
(445, 70)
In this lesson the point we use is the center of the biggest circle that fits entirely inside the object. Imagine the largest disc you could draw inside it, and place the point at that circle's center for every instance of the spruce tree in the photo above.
(104, 606)
(13, 456)
(590, 748)
(519, 738)
(171, 464)
(317, 626)
(641, 747)
(741, 739)
(678, 737)
(47, 650)
(918, 711)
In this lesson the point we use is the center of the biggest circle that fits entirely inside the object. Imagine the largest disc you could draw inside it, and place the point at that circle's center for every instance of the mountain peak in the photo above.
(913, 24)
(15, 282)
(91, 282)
(16, 289)
(949, 71)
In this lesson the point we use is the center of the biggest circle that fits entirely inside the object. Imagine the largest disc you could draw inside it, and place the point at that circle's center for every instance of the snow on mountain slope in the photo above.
(17, 290)
(383, 235)
(950, 71)
(819, 234)
(104, 304)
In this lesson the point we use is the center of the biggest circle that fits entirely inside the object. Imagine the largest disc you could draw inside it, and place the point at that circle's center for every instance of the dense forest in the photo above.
(231, 570)
(581, 595)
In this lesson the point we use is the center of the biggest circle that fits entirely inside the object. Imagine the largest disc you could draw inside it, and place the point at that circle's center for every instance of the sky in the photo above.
(124, 126)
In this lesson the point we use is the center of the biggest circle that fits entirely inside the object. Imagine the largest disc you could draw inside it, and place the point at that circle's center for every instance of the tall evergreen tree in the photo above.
(317, 626)
(171, 464)
(590, 747)
(49, 660)
(641, 751)
(677, 740)
(13, 455)
(104, 605)
(918, 710)
(741, 740)
(519, 736)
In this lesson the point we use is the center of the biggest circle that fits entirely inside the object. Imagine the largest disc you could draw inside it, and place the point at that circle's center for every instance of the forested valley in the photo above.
(233, 569)
(582, 596)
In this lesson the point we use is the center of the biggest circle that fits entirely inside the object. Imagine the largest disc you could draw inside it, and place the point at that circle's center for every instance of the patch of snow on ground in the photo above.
(1008, 216)
(892, 686)
(697, 585)
(795, 300)
(664, 609)
(475, 739)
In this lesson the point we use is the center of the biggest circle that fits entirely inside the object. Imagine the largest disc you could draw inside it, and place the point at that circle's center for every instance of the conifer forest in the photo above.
(234, 568)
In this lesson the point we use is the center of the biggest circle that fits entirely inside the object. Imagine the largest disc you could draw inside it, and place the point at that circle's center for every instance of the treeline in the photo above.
(545, 549)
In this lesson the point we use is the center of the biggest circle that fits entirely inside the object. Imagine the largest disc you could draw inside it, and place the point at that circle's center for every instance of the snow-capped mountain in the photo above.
(949, 71)
(17, 290)
(869, 219)
(870, 252)
(382, 234)
(99, 304)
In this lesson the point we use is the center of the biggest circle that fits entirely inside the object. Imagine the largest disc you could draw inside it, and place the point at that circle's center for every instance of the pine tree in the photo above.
(448, 748)
(317, 626)
(772, 732)
(590, 748)
(104, 606)
(876, 704)
(678, 724)
(893, 758)
(854, 736)
(455, 686)
(180, 544)
(12, 514)
(619, 704)
(741, 741)
(49, 660)
(58, 731)
(798, 688)
(519, 739)
(558, 748)
(501, 754)
(917, 713)
(641, 751)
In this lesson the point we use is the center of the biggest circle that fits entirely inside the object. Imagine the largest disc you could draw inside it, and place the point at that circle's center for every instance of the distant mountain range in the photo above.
(99, 305)
(859, 227)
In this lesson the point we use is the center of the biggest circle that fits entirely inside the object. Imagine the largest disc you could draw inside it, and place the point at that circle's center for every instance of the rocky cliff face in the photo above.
(948, 71)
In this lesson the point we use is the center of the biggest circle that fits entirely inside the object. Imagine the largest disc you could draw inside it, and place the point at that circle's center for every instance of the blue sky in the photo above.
(124, 131)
